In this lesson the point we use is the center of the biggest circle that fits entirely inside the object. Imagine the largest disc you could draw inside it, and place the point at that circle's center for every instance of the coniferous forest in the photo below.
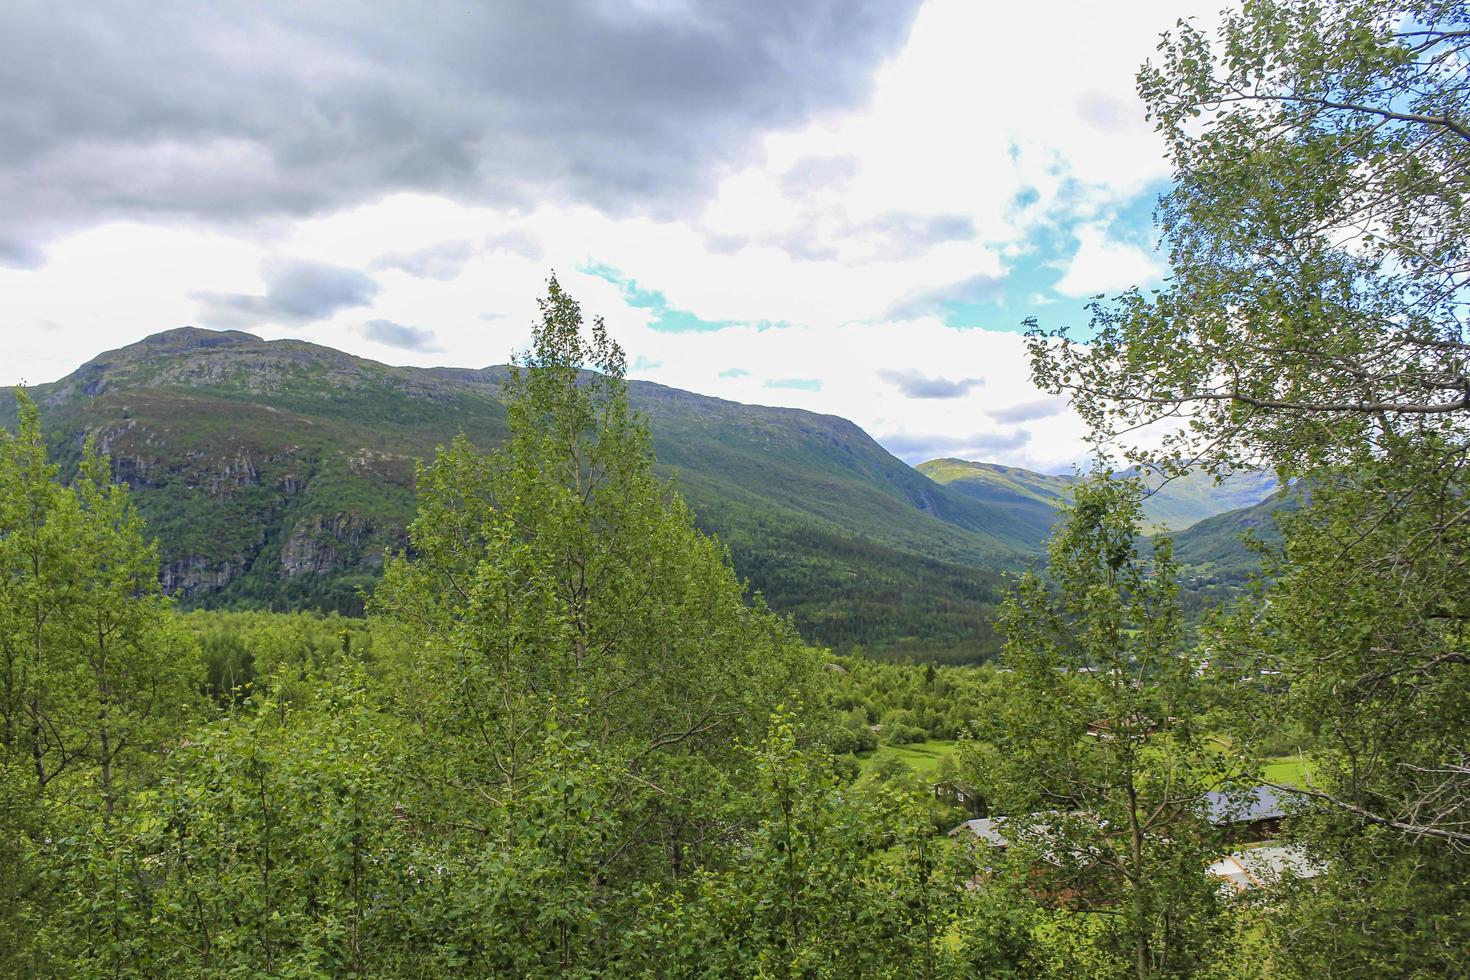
(556, 733)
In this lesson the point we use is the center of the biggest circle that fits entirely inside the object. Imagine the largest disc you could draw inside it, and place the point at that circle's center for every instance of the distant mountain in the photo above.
(1213, 552)
(1025, 504)
(275, 474)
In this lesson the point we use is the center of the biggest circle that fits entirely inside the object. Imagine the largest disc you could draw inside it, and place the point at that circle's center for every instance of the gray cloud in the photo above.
(167, 110)
(911, 233)
(914, 384)
(297, 292)
(893, 236)
(726, 244)
(1105, 112)
(404, 338)
(816, 173)
(441, 261)
(930, 302)
(516, 242)
(917, 447)
(1041, 408)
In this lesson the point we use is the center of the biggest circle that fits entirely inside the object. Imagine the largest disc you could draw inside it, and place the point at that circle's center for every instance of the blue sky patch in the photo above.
(666, 318)
(1027, 288)
(798, 384)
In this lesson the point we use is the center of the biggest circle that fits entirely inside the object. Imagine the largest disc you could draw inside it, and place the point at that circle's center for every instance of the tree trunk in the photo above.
(1140, 923)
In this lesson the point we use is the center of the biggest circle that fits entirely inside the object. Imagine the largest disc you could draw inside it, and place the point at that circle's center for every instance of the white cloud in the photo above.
(1105, 265)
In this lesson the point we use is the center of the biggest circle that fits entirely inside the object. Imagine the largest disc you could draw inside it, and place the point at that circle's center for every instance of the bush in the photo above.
(905, 734)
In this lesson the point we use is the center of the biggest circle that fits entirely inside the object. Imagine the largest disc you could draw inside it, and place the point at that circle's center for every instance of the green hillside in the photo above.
(275, 474)
(1214, 552)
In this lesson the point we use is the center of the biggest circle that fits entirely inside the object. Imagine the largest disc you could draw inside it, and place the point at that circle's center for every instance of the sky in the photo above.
(846, 206)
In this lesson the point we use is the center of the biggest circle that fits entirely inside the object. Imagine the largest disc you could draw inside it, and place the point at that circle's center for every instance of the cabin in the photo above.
(1249, 815)
(956, 793)
(984, 829)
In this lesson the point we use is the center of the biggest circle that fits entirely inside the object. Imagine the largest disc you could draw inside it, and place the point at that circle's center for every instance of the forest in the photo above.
(566, 739)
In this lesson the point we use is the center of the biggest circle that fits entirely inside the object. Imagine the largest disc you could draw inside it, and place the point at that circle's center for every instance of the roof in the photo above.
(986, 829)
(1245, 806)
(1261, 866)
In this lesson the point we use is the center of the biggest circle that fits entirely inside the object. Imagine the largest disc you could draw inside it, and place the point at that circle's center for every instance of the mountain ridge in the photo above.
(276, 473)
(1033, 498)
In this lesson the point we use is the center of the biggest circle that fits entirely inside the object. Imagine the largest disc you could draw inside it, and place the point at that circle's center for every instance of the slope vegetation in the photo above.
(275, 474)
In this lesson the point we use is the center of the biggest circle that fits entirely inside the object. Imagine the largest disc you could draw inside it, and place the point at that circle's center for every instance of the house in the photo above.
(984, 829)
(1250, 815)
(1253, 814)
(956, 793)
(1258, 867)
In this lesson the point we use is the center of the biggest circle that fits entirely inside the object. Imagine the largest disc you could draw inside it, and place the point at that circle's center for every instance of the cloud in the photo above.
(515, 242)
(828, 233)
(1103, 264)
(297, 292)
(1029, 411)
(442, 261)
(979, 447)
(392, 334)
(914, 384)
(811, 174)
(734, 373)
(1106, 112)
(796, 384)
(622, 105)
(931, 301)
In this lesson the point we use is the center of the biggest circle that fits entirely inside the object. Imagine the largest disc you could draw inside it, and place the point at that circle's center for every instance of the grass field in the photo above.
(922, 757)
(1286, 770)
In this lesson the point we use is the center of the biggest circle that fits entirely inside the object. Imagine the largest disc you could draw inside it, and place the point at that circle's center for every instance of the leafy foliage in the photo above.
(1095, 753)
(1314, 323)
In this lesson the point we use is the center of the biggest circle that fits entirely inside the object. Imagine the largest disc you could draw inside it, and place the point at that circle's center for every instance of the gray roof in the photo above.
(986, 829)
(1245, 806)
(1262, 866)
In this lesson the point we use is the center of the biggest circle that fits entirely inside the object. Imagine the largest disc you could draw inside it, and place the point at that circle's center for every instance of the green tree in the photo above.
(1319, 247)
(95, 677)
(559, 585)
(1317, 242)
(1362, 625)
(1096, 758)
(832, 882)
(1314, 322)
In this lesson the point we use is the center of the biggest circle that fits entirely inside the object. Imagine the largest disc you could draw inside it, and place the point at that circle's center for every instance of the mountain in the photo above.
(1213, 553)
(275, 474)
(1025, 504)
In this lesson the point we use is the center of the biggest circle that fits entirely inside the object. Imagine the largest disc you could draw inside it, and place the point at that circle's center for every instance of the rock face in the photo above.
(319, 544)
(197, 574)
(247, 500)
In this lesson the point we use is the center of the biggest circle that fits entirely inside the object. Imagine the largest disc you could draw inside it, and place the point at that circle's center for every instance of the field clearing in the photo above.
(922, 757)
(1286, 770)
